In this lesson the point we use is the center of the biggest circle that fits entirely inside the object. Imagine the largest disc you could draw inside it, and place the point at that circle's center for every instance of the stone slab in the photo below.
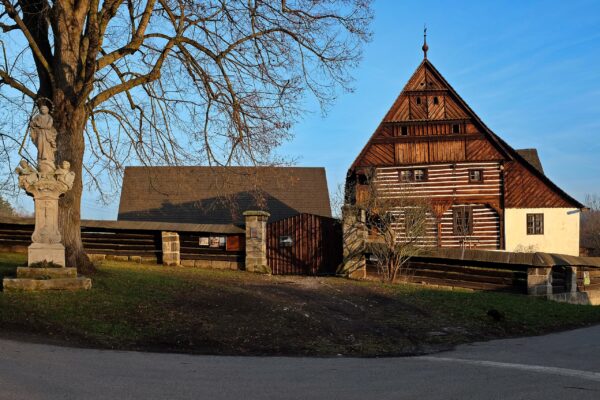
(187, 263)
(26, 272)
(97, 257)
(40, 252)
(17, 285)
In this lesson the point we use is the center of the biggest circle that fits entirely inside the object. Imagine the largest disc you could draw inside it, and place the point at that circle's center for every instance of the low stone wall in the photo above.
(112, 257)
(214, 264)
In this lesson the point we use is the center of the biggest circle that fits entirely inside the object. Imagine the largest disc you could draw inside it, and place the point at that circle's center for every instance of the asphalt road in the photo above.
(559, 366)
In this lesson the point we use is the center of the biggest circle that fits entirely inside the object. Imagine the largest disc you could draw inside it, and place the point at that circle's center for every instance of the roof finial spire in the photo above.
(425, 47)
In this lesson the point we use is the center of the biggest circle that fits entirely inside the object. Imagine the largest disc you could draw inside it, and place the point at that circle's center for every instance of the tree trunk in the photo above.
(70, 123)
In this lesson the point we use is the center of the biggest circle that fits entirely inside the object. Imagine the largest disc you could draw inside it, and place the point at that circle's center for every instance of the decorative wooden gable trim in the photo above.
(428, 109)
(430, 123)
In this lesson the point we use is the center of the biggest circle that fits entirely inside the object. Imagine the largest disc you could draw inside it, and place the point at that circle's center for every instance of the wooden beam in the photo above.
(409, 139)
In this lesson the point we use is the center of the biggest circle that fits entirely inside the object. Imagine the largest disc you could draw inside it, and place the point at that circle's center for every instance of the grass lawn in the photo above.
(133, 306)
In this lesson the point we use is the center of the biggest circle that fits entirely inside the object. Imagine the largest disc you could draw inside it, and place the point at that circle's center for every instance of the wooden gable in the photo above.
(430, 123)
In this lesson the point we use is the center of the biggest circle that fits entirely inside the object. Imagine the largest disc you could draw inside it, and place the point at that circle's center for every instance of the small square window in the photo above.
(475, 175)
(455, 128)
(404, 130)
(405, 176)
(418, 100)
(286, 241)
(535, 224)
(419, 175)
(436, 100)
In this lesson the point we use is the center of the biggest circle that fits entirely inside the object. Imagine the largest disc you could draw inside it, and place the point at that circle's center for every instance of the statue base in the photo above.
(33, 279)
(40, 252)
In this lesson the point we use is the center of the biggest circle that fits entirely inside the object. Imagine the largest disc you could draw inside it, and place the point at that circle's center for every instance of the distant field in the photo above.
(133, 306)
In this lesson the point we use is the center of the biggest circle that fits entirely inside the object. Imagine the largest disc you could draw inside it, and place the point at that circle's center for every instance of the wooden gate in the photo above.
(304, 244)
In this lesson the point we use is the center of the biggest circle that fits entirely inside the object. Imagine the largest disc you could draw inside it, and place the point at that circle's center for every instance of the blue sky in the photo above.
(529, 69)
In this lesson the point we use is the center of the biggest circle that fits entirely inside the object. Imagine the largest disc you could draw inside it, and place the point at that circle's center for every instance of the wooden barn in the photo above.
(296, 236)
(483, 193)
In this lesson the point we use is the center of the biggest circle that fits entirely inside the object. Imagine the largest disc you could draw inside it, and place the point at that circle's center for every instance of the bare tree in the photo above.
(590, 225)
(338, 200)
(6, 209)
(398, 226)
(170, 81)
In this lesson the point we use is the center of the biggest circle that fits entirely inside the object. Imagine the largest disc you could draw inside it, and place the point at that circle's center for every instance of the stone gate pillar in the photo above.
(170, 248)
(256, 241)
(355, 238)
(539, 281)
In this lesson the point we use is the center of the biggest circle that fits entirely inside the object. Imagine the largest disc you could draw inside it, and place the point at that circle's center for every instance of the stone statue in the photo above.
(27, 174)
(64, 174)
(46, 185)
(44, 135)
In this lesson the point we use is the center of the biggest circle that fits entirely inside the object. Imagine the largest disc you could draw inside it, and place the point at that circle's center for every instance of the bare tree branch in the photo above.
(13, 83)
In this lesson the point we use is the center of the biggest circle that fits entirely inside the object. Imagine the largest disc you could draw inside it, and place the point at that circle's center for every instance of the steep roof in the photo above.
(219, 195)
(427, 77)
(532, 157)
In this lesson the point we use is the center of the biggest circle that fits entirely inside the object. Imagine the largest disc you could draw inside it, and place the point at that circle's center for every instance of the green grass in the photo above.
(133, 306)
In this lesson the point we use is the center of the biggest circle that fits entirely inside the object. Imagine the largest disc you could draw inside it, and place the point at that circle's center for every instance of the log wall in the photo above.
(145, 244)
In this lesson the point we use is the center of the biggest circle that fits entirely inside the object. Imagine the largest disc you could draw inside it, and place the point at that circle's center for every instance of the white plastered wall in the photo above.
(561, 230)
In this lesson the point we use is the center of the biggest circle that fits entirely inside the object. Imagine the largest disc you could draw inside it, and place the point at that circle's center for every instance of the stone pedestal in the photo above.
(33, 279)
(46, 186)
(42, 252)
(355, 238)
(256, 241)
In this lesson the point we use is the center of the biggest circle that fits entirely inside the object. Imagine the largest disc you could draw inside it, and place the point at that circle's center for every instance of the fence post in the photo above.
(572, 282)
(539, 281)
(170, 248)
(354, 228)
(256, 241)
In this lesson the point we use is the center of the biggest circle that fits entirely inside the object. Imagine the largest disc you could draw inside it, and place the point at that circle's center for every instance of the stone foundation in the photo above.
(213, 264)
(136, 259)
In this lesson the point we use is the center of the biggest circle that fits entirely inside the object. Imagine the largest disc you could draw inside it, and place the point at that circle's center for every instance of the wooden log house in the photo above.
(484, 194)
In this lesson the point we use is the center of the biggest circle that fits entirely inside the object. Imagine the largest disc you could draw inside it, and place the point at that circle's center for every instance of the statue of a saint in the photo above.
(44, 135)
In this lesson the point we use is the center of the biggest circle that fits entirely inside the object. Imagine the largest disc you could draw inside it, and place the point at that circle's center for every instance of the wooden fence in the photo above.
(304, 244)
(458, 273)
(118, 239)
(498, 271)
(588, 279)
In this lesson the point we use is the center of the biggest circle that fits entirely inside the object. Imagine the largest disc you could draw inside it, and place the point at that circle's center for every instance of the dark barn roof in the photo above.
(219, 195)
(532, 157)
